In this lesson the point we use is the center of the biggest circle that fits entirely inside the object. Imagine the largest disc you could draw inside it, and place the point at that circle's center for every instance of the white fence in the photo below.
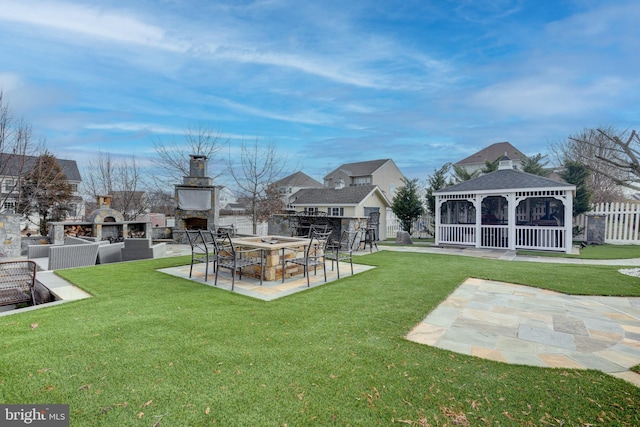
(622, 223)
(243, 225)
(421, 227)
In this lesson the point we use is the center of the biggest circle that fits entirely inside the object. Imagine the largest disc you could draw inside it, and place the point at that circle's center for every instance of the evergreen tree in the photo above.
(577, 174)
(436, 182)
(535, 165)
(461, 174)
(407, 204)
(46, 192)
(490, 166)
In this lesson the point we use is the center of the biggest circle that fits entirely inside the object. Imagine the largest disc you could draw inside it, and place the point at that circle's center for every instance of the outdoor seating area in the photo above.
(87, 251)
(268, 290)
(74, 252)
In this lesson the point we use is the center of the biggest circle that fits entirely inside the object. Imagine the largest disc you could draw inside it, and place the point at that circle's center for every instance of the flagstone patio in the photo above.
(270, 290)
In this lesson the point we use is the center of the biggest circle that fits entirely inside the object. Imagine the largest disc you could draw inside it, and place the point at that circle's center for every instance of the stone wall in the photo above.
(10, 241)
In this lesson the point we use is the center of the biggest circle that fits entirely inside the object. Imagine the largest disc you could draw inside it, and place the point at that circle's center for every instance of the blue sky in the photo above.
(423, 82)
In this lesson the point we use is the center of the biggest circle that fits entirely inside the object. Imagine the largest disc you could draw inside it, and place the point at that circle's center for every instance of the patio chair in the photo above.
(342, 250)
(234, 259)
(314, 256)
(17, 282)
(199, 251)
(370, 235)
(317, 228)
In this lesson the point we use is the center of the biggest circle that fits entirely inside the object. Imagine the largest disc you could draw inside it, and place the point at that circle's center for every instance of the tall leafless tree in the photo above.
(609, 154)
(16, 147)
(173, 157)
(122, 179)
(259, 166)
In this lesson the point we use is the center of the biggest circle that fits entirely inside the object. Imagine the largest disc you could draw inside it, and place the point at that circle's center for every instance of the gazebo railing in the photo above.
(497, 236)
(457, 233)
(535, 237)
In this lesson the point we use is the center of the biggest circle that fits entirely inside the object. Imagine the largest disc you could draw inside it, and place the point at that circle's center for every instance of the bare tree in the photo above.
(601, 150)
(16, 148)
(162, 201)
(260, 165)
(173, 157)
(121, 179)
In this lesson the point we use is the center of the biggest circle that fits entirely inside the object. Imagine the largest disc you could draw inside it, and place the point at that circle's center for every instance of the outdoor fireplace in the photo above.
(196, 199)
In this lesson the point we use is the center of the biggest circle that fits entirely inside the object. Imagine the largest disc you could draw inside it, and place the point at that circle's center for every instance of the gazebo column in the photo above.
(438, 218)
(477, 203)
(511, 221)
(568, 221)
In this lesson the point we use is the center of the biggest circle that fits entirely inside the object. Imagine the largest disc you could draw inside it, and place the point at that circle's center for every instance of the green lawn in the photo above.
(151, 349)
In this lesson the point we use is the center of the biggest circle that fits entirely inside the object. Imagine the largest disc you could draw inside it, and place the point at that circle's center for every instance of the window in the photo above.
(73, 187)
(9, 184)
(361, 180)
(336, 211)
(311, 211)
(9, 207)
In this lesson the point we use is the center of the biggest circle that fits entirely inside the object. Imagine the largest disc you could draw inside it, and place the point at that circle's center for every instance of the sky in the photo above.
(422, 82)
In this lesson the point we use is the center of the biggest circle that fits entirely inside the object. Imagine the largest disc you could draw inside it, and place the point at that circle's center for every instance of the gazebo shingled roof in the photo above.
(504, 179)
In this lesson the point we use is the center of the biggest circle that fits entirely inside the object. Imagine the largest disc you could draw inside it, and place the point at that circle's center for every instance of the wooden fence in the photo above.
(622, 222)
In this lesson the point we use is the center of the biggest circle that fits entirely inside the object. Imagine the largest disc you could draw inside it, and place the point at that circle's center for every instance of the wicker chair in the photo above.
(56, 257)
(142, 248)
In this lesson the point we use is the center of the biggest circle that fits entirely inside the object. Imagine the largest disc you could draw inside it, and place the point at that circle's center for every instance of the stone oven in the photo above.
(104, 223)
(197, 204)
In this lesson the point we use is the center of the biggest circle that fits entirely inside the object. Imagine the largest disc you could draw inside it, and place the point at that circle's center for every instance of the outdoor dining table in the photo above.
(275, 250)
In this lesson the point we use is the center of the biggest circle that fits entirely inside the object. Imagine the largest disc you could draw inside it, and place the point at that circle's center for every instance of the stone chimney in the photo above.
(197, 172)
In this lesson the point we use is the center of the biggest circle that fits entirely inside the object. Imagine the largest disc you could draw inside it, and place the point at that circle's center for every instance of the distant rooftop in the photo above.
(492, 153)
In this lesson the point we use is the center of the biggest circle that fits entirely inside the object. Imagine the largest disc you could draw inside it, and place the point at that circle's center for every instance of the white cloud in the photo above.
(117, 26)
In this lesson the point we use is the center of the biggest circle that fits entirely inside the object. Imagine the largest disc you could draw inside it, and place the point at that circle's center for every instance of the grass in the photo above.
(152, 349)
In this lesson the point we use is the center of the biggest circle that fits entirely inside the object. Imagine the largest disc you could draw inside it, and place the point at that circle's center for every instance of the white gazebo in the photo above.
(506, 209)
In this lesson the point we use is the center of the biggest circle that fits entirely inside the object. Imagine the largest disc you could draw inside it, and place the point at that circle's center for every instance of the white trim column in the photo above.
(477, 202)
(511, 220)
(438, 206)
(568, 221)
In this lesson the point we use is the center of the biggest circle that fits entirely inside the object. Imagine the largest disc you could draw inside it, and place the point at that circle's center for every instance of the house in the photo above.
(14, 167)
(291, 184)
(492, 153)
(384, 173)
(355, 202)
(506, 209)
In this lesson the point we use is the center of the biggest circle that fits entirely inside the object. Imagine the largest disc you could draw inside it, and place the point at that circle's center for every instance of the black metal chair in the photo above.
(17, 282)
(342, 250)
(314, 256)
(317, 228)
(371, 231)
(209, 238)
(200, 252)
(234, 259)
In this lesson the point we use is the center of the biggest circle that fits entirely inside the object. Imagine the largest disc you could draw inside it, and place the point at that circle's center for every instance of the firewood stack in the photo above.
(78, 230)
